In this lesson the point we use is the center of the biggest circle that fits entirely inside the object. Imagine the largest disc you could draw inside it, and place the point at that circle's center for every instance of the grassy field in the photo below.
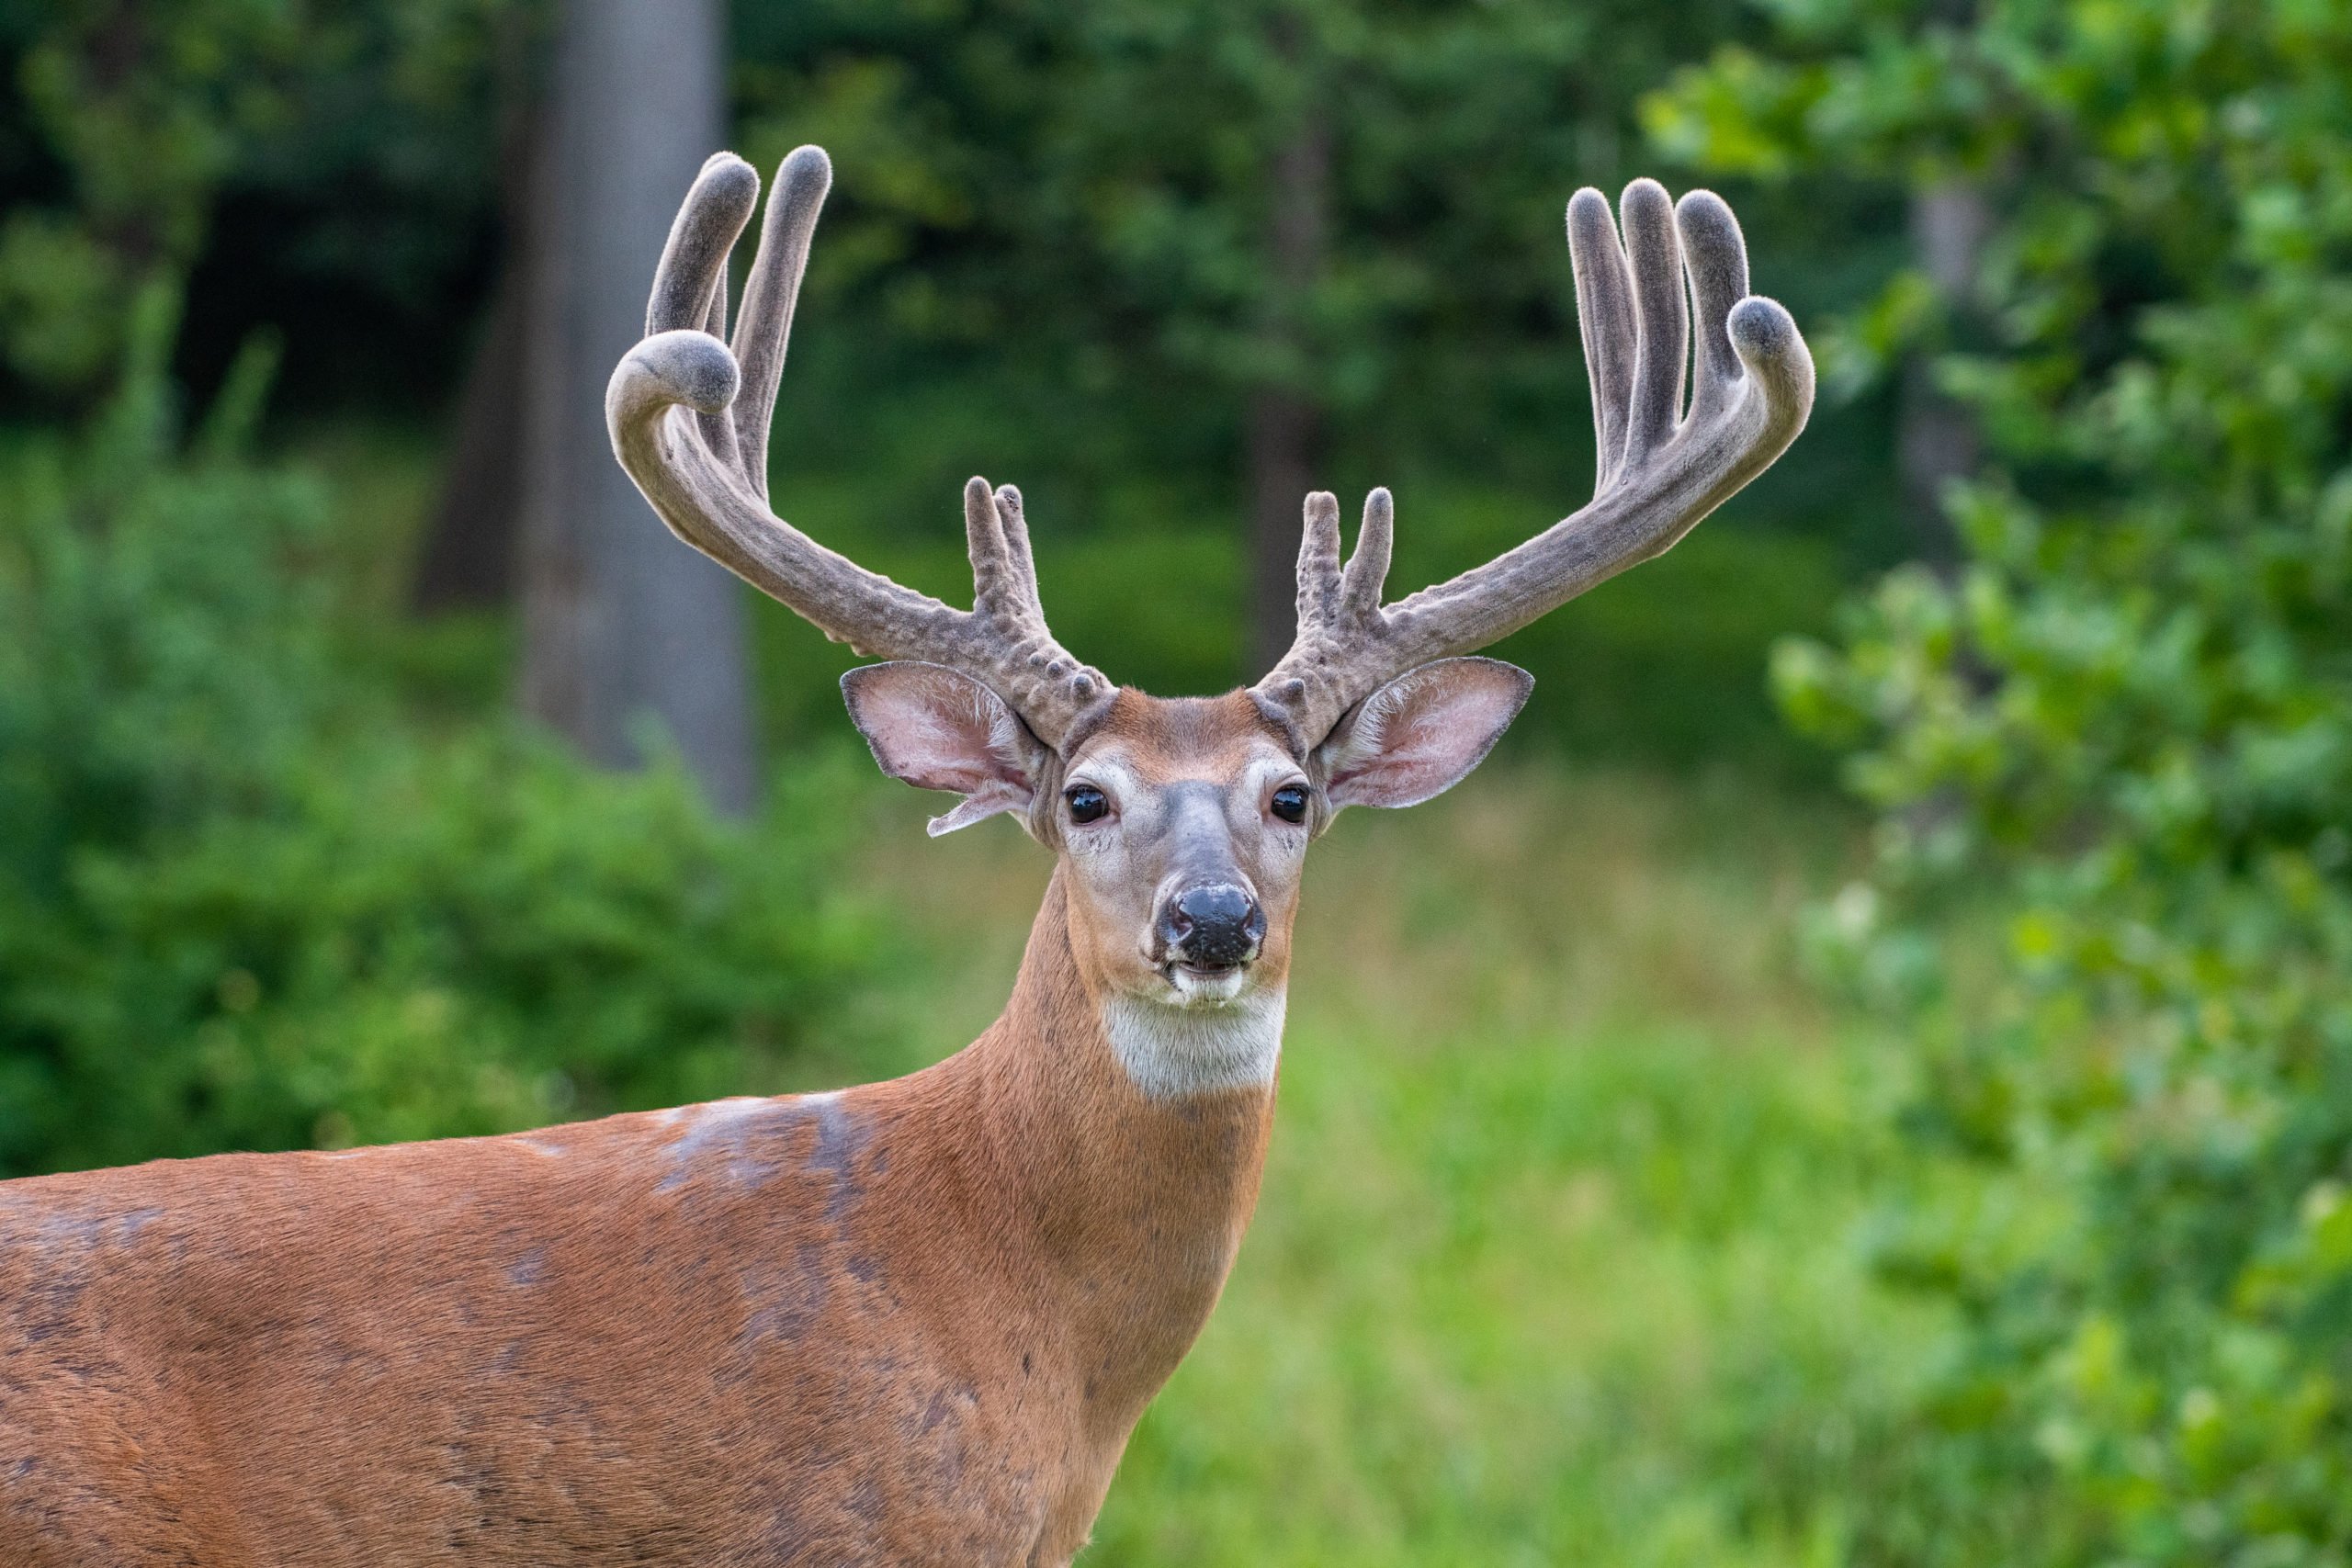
(1558, 1258)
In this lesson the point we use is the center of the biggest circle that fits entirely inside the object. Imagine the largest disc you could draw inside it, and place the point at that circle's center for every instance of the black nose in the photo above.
(1215, 924)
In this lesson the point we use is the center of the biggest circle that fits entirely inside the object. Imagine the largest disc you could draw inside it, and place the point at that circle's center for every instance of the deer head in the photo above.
(1181, 826)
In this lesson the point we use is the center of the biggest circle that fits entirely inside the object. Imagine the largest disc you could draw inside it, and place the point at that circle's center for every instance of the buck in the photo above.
(909, 1322)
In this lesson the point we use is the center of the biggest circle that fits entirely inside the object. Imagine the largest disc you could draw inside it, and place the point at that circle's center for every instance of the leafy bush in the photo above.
(2126, 725)
(247, 901)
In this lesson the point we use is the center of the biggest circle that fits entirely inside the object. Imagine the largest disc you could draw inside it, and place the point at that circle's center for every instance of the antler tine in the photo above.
(719, 429)
(693, 269)
(1016, 540)
(1659, 476)
(1716, 256)
(690, 283)
(1368, 568)
(1318, 560)
(992, 579)
(1034, 670)
(770, 293)
(1662, 338)
(697, 448)
(1605, 320)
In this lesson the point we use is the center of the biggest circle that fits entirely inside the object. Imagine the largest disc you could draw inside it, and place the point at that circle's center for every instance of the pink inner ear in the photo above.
(1421, 734)
(937, 728)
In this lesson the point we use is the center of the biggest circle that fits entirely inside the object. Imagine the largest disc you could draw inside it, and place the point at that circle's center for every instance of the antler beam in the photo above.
(689, 421)
(1658, 475)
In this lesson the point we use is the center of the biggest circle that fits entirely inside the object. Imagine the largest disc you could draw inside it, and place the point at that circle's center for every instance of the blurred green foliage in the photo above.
(1099, 182)
(249, 898)
(2123, 730)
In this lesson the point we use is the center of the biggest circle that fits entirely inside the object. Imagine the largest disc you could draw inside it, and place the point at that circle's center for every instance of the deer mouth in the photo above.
(1194, 981)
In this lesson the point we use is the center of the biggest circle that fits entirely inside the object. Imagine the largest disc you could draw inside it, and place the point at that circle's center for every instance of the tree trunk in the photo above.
(1938, 440)
(1285, 434)
(623, 625)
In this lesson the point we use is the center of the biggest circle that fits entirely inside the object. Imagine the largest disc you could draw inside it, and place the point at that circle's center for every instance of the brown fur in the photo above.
(913, 1323)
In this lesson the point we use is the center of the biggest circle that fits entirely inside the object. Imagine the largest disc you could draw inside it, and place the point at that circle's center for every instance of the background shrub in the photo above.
(2121, 734)
(251, 898)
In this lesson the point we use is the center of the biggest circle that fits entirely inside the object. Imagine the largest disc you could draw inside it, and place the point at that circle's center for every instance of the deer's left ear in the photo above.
(1421, 734)
(938, 728)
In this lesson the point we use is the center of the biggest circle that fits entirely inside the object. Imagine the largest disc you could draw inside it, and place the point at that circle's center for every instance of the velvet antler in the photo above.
(1661, 469)
(689, 421)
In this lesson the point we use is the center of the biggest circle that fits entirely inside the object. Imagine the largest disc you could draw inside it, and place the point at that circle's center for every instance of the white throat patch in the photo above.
(1171, 1052)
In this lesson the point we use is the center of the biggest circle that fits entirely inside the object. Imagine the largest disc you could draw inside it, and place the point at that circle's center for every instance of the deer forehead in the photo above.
(1172, 737)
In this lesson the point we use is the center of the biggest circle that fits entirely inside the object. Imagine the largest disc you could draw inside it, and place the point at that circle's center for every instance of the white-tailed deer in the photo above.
(911, 1322)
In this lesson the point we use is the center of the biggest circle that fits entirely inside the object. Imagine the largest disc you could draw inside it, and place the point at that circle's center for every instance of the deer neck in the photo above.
(1130, 1183)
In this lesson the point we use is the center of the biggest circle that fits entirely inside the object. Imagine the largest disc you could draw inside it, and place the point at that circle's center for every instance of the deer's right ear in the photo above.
(938, 728)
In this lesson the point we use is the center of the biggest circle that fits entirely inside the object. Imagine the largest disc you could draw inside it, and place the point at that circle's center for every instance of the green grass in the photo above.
(1557, 1259)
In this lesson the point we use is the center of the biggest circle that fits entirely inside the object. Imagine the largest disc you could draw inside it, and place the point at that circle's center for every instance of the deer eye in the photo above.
(1087, 804)
(1290, 803)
